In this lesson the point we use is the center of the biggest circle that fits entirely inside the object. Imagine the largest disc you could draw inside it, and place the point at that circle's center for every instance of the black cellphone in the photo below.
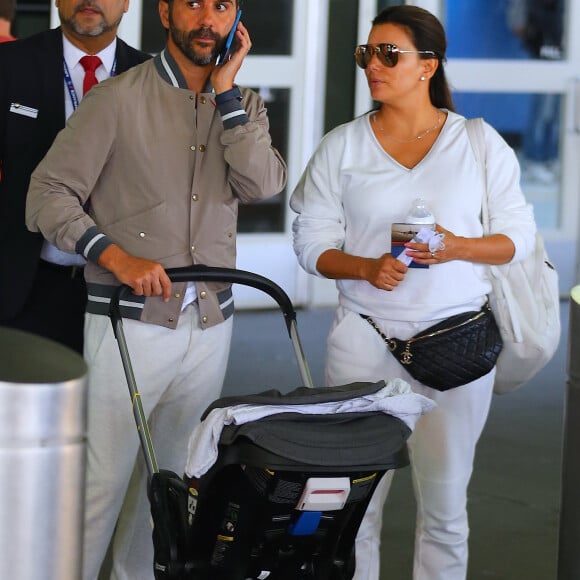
(226, 49)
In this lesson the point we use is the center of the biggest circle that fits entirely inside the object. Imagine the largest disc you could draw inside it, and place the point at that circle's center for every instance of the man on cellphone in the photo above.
(175, 146)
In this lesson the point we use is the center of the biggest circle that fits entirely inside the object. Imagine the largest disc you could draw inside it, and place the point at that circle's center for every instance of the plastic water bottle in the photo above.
(420, 222)
(419, 213)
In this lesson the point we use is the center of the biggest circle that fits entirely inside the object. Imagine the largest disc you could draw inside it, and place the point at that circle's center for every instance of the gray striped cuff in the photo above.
(92, 244)
(231, 109)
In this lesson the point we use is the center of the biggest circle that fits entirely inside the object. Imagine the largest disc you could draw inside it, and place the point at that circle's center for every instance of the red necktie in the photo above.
(90, 64)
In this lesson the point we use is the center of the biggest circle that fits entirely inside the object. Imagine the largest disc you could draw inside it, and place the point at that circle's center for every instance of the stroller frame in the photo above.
(199, 273)
(181, 521)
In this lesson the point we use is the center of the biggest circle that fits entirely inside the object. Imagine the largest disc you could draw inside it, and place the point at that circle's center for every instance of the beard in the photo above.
(184, 41)
(89, 30)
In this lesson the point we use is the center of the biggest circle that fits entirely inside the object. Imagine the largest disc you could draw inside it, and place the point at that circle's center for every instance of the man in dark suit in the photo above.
(42, 290)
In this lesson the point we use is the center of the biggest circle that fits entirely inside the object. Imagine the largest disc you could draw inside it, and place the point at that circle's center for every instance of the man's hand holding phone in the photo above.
(224, 73)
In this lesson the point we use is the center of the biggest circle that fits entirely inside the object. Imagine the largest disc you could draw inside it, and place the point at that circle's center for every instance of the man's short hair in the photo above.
(7, 9)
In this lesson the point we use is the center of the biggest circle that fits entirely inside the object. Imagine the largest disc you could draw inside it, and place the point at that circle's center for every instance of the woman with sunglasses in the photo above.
(362, 179)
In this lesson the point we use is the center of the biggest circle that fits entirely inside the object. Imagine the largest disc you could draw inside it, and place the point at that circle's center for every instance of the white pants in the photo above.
(178, 373)
(442, 449)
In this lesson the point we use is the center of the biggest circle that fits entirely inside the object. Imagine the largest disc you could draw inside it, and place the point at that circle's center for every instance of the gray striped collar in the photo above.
(170, 72)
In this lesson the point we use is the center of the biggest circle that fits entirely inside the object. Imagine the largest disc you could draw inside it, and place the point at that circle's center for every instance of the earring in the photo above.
(422, 77)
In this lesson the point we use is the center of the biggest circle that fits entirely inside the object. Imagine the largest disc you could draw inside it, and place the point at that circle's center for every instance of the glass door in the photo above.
(516, 63)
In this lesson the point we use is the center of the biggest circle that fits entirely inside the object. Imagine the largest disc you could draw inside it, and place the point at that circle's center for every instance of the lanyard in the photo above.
(70, 87)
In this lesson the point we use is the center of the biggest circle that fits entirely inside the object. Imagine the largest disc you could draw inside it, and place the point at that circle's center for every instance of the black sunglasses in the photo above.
(388, 54)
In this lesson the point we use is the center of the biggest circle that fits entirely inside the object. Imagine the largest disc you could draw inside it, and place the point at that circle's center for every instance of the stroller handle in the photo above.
(201, 273)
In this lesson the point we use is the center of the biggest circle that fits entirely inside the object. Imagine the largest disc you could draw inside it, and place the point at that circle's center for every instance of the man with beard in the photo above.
(174, 146)
(41, 83)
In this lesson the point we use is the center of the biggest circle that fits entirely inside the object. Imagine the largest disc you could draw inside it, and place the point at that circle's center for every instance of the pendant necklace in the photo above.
(417, 138)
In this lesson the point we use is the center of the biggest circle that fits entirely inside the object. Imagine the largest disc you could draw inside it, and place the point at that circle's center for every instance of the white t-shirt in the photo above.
(352, 191)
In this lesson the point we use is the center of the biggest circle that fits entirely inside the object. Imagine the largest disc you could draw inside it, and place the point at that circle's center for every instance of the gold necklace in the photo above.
(417, 138)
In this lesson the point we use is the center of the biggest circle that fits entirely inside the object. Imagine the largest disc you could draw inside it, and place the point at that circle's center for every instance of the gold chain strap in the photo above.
(391, 344)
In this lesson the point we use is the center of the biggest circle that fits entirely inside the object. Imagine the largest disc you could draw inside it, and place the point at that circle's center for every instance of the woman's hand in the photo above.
(385, 273)
(494, 249)
(423, 255)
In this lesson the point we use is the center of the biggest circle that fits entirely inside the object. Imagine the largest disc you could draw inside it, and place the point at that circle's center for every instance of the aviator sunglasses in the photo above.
(388, 54)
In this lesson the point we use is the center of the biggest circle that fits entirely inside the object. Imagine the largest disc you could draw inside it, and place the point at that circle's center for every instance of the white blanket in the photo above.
(396, 399)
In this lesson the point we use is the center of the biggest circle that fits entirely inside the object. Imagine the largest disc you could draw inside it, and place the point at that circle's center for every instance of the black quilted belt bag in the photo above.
(451, 353)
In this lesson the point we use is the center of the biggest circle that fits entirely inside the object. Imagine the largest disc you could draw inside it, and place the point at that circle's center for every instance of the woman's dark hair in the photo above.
(426, 33)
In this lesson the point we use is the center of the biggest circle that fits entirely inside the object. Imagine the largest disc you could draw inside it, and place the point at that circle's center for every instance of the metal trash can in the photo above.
(42, 458)
(569, 533)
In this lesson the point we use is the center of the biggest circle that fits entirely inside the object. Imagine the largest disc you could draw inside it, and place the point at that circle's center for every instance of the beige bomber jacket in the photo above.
(163, 170)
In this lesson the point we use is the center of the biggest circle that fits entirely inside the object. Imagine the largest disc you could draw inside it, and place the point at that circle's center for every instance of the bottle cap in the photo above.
(420, 213)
